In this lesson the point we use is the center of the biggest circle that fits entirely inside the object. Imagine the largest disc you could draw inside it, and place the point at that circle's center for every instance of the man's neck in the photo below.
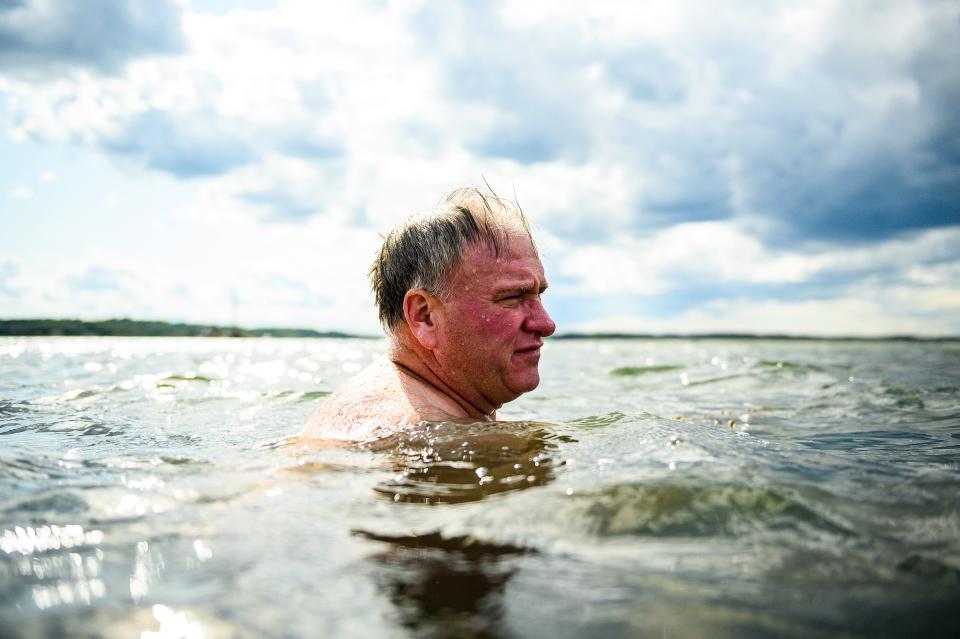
(439, 394)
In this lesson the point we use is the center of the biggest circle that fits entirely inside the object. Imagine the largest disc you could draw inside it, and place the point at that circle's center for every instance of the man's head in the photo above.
(464, 283)
(426, 249)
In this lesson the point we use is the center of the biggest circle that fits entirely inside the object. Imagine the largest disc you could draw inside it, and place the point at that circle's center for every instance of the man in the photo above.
(458, 293)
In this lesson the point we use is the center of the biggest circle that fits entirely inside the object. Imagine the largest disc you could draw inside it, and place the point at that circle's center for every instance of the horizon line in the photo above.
(55, 325)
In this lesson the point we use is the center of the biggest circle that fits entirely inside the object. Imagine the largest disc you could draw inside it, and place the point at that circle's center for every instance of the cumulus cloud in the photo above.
(523, 95)
(878, 314)
(814, 121)
(260, 277)
(8, 272)
(98, 278)
(192, 146)
(714, 277)
(43, 36)
(872, 316)
(713, 254)
(797, 119)
(670, 156)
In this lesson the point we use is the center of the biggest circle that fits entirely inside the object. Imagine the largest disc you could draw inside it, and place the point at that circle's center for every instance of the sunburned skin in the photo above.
(377, 402)
(458, 359)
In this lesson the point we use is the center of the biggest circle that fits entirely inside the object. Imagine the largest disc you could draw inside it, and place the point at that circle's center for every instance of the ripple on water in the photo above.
(929, 569)
(653, 520)
(186, 377)
(701, 510)
(81, 426)
(796, 368)
(29, 468)
(633, 371)
(13, 408)
(597, 421)
(295, 396)
(863, 440)
(15, 417)
(48, 506)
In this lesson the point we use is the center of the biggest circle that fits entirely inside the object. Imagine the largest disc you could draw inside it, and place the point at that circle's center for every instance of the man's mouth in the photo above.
(533, 348)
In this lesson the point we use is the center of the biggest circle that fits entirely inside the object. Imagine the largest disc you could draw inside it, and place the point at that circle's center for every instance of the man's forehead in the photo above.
(516, 268)
(485, 257)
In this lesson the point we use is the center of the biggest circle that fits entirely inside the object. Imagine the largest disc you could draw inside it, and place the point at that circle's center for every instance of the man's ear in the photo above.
(419, 312)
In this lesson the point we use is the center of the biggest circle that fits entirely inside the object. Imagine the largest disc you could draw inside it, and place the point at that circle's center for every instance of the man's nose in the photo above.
(538, 321)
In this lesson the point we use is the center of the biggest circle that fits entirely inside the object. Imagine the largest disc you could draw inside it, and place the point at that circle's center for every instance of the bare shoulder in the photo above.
(367, 405)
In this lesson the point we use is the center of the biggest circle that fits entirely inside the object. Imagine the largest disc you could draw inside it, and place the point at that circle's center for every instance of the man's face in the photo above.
(491, 329)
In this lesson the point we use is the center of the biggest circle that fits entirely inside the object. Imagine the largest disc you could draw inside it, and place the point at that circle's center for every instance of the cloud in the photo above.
(223, 105)
(694, 263)
(712, 277)
(309, 275)
(283, 189)
(8, 272)
(796, 118)
(103, 35)
(282, 205)
(98, 279)
(879, 313)
(286, 291)
(793, 119)
(669, 156)
(186, 146)
(828, 136)
(497, 79)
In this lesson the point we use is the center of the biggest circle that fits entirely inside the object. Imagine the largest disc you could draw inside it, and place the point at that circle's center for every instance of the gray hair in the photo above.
(426, 249)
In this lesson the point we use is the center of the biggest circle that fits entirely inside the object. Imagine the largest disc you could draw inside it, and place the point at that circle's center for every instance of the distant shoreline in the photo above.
(143, 328)
(761, 336)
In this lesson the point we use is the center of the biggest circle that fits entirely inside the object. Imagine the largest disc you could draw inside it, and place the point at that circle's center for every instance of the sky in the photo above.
(687, 166)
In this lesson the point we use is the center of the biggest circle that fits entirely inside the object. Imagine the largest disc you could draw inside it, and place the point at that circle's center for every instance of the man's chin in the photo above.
(526, 382)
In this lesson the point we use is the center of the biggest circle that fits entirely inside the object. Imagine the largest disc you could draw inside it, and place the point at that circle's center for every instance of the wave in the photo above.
(695, 510)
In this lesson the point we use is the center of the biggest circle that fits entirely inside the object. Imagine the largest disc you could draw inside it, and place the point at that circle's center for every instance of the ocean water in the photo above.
(666, 488)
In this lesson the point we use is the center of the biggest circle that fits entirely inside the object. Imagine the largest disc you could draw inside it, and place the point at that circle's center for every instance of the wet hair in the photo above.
(426, 249)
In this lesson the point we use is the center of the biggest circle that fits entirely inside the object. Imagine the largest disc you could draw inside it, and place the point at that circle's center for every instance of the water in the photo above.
(647, 489)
